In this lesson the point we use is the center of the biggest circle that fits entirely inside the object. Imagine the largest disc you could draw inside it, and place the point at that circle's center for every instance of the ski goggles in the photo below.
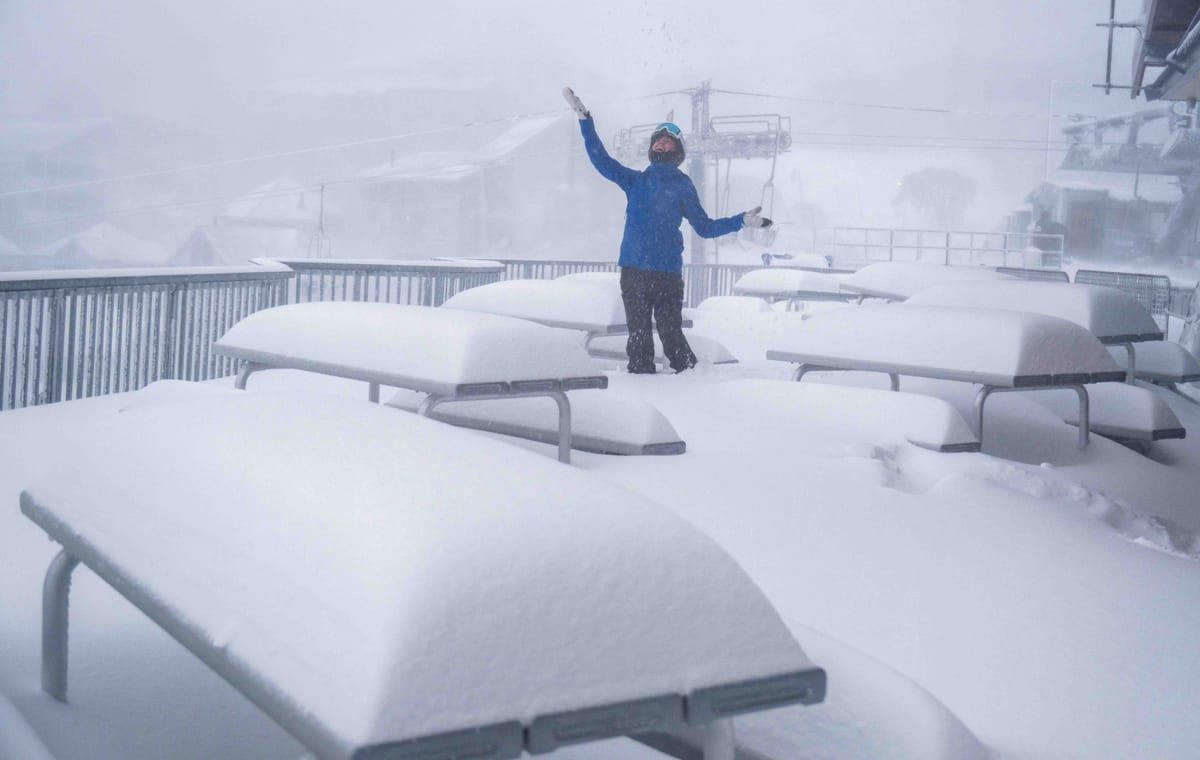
(671, 129)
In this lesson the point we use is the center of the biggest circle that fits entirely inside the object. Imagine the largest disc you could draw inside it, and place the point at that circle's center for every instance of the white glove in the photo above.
(751, 218)
(576, 104)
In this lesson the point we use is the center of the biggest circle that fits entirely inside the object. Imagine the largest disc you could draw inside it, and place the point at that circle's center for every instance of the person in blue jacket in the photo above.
(658, 199)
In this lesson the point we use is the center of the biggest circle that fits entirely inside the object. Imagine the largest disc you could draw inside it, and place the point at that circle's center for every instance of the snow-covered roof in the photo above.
(453, 165)
(235, 244)
(281, 202)
(105, 243)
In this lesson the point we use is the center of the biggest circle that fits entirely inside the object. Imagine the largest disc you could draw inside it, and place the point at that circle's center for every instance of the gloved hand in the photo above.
(576, 104)
(751, 218)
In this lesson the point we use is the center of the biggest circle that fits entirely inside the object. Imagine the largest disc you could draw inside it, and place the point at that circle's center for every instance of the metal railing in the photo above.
(1151, 290)
(67, 335)
(853, 247)
(1041, 275)
(428, 283)
(699, 280)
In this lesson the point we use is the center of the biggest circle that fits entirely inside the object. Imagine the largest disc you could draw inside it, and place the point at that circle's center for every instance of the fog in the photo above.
(157, 118)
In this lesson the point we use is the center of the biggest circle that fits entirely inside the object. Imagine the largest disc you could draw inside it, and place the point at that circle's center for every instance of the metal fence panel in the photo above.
(1151, 290)
(72, 335)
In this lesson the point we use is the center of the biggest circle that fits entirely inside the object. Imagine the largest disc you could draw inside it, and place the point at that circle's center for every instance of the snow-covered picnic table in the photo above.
(387, 586)
(586, 301)
(998, 349)
(450, 355)
(898, 280)
(791, 285)
(1114, 317)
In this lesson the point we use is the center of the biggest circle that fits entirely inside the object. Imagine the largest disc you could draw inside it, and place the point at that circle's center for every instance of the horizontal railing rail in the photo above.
(427, 283)
(853, 247)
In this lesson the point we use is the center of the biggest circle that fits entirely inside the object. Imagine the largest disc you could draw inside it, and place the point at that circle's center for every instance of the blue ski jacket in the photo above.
(658, 199)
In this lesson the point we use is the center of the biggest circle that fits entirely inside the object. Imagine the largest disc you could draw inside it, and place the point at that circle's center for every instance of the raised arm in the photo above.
(609, 168)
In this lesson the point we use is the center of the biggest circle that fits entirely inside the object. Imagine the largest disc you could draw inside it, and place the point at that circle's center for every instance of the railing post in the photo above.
(55, 348)
(169, 325)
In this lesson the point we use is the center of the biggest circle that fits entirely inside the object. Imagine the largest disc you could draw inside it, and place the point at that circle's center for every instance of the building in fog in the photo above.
(105, 245)
(1105, 215)
(504, 196)
(1166, 70)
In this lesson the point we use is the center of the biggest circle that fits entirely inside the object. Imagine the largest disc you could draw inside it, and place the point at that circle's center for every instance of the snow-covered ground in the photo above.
(1030, 601)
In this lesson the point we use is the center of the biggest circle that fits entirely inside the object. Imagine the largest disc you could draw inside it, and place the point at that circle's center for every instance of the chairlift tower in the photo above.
(712, 140)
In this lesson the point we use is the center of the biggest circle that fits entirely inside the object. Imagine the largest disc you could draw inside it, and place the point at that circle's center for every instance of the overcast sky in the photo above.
(163, 56)
(998, 66)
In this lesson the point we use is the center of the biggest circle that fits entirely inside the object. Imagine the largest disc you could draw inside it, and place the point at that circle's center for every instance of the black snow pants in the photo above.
(647, 293)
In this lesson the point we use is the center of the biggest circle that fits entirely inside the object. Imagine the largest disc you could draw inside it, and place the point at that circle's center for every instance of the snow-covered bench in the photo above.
(877, 416)
(791, 285)
(448, 354)
(1114, 317)
(707, 350)
(1162, 362)
(898, 280)
(603, 423)
(585, 301)
(384, 586)
(1122, 412)
(585, 304)
(1000, 350)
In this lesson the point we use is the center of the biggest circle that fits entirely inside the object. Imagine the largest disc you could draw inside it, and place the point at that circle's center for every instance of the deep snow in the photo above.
(1035, 599)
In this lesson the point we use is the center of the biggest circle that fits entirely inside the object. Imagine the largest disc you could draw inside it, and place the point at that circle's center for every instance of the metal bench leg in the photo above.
(373, 392)
(981, 399)
(427, 405)
(247, 369)
(564, 425)
(1131, 371)
(895, 381)
(56, 593)
(719, 740)
(1085, 410)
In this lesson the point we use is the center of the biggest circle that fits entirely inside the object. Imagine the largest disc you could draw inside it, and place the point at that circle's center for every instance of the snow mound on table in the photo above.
(398, 577)
(1104, 312)
(610, 280)
(877, 416)
(987, 343)
(566, 303)
(439, 345)
(733, 304)
(783, 281)
(901, 279)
